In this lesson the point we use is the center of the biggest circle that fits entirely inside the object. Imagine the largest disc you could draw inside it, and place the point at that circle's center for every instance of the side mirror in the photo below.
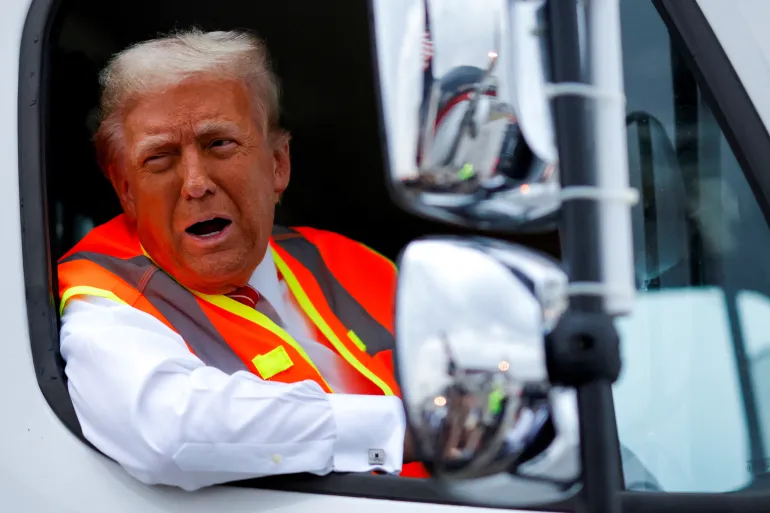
(466, 112)
(471, 320)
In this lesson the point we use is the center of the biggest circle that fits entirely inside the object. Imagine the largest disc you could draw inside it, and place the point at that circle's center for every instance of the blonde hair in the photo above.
(156, 64)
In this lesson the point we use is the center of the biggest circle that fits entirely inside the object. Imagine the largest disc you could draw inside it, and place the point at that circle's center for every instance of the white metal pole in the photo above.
(611, 157)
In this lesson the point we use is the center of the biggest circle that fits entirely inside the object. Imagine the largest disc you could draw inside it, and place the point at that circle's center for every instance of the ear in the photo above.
(123, 189)
(282, 164)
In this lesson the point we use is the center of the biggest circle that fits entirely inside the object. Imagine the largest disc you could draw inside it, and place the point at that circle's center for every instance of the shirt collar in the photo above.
(264, 280)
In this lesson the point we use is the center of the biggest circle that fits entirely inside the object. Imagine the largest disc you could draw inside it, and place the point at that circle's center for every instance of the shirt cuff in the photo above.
(370, 433)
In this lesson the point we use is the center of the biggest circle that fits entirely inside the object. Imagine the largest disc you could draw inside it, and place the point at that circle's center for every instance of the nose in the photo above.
(196, 180)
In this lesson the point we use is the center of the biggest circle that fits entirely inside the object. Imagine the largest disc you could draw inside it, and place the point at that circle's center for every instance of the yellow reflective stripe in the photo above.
(85, 290)
(388, 260)
(310, 311)
(241, 310)
(272, 362)
(356, 340)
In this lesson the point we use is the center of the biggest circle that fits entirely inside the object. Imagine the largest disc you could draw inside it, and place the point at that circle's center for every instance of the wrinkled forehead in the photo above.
(205, 129)
(191, 110)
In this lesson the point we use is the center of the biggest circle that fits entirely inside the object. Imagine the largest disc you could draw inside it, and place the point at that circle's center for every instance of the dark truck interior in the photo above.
(323, 54)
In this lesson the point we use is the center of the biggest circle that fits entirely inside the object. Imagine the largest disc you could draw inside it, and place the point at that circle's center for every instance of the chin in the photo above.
(221, 271)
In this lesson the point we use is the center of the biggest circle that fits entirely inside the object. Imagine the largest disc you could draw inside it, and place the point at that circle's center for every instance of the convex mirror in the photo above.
(462, 145)
(471, 320)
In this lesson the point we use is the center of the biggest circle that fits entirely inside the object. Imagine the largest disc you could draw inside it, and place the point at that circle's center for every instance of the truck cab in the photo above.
(692, 404)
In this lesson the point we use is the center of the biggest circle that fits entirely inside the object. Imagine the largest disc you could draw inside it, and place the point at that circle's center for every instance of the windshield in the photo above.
(693, 401)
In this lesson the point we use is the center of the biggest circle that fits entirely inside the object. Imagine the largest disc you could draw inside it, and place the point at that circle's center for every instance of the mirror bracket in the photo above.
(583, 347)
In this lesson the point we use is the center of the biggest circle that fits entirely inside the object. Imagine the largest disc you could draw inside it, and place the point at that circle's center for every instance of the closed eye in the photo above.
(156, 157)
(158, 162)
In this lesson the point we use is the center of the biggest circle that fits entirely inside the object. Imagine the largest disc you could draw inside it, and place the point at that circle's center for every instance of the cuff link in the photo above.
(376, 456)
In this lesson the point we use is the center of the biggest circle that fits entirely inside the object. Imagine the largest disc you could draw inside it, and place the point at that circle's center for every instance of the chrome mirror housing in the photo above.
(471, 320)
(466, 113)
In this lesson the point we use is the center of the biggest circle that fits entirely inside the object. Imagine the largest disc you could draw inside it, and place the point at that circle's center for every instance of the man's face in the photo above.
(200, 180)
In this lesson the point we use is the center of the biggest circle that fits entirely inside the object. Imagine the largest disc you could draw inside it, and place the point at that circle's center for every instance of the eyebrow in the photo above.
(209, 127)
(203, 128)
(150, 142)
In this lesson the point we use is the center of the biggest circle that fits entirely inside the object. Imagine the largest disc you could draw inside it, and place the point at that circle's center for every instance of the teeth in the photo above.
(210, 234)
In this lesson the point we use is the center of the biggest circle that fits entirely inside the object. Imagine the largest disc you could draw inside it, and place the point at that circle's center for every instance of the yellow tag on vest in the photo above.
(272, 363)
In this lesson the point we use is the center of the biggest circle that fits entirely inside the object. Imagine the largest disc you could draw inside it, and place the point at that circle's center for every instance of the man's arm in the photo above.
(144, 400)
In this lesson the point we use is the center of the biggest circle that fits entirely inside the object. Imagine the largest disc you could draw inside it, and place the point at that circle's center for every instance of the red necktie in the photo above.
(245, 295)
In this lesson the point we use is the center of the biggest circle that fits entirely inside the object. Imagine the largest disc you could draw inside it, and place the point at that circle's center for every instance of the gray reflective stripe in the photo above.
(175, 303)
(349, 311)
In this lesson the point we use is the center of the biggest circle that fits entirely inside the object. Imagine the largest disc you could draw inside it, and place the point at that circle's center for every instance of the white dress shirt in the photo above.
(146, 401)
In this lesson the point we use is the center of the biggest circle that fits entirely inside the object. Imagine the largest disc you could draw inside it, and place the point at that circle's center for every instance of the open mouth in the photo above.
(208, 228)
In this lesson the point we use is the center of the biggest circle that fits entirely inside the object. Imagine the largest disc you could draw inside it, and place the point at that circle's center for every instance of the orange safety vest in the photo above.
(343, 287)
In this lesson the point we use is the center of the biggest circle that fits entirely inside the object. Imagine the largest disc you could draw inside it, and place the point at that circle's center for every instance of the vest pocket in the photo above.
(272, 363)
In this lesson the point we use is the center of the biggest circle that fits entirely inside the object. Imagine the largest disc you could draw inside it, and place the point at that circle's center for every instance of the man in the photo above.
(203, 344)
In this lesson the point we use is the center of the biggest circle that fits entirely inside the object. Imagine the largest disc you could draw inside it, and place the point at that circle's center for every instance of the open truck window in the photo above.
(700, 230)
(325, 63)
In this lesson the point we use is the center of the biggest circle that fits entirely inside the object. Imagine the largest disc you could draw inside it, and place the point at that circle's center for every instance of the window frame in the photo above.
(732, 108)
(749, 141)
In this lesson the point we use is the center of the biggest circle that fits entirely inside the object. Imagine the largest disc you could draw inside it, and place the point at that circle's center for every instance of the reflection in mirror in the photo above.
(530, 73)
(457, 150)
(471, 319)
